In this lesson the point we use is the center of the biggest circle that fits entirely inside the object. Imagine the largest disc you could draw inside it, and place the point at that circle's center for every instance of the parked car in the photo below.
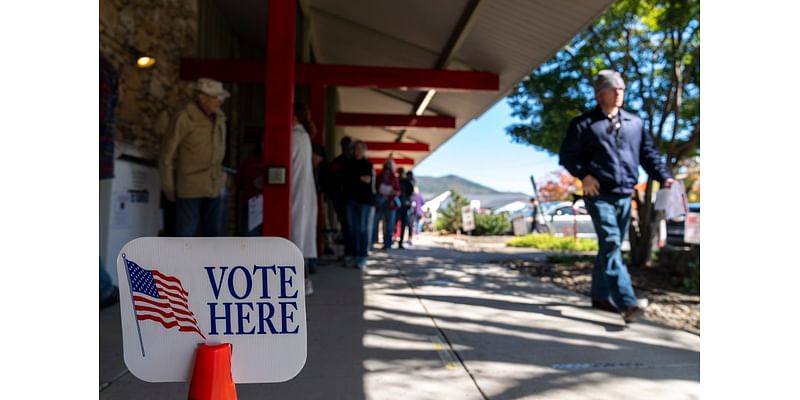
(676, 227)
(676, 253)
(525, 215)
(563, 218)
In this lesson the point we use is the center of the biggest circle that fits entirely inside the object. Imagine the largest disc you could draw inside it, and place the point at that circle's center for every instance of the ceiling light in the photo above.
(145, 62)
(425, 101)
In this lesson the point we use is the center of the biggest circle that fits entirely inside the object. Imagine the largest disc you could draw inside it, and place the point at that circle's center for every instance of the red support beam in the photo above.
(397, 78)
(278, 77)
(395, 146)
(378, 162)
(222, 69)
(395, 120)
(344, 75)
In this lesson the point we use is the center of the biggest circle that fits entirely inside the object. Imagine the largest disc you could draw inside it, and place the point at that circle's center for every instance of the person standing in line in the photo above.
(191, 161)
(604, 148)
(359, 178)
(337, 192)
(387, 202)
(109, 93)
(534, 215)
(319, 160)
(416, 214)
(303, 190)
(404, 212)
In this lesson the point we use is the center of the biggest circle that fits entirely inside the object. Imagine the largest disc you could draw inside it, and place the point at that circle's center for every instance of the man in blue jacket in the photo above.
(604, 148)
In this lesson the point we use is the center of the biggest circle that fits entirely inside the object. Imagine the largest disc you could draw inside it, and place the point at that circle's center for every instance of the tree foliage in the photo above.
(655, 45)
(560, 185)
(450, 216)
(485, 224)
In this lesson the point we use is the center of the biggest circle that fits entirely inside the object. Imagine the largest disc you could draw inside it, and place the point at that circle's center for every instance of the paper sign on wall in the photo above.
(255, 212)
(176, 293)
(120, 212)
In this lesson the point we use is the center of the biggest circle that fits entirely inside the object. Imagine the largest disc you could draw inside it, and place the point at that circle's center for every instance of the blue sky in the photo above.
(482, 152)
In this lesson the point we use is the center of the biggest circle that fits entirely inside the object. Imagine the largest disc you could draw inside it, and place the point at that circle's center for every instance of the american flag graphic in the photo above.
(161, 298)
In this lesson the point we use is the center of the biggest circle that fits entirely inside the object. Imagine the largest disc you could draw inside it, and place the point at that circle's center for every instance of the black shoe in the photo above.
(632, 313)
(400, 246)
(604, 305)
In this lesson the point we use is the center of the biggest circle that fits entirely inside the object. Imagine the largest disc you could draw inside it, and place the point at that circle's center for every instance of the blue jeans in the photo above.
(383, 213)
(191, 214)
(358, 221)
(611, 215)
(404, 213)
(341, 214)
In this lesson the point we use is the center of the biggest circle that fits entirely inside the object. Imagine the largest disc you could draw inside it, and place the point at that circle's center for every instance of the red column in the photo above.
(279, 96)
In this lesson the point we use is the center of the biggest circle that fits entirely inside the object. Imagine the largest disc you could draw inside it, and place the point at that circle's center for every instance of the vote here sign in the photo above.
(176, 293)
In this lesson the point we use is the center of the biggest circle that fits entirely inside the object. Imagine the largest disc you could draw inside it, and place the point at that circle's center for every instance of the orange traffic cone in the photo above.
(211, 377)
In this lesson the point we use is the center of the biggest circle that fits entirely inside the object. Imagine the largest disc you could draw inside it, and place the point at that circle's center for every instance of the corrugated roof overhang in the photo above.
(509, 38)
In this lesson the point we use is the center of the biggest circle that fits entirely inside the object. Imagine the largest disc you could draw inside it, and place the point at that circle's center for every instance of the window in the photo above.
(565, 211)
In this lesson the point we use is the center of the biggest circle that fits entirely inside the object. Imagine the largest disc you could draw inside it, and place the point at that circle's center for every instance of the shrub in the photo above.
(692, 281)
(546, 241)
(491, 224)
(450, 217)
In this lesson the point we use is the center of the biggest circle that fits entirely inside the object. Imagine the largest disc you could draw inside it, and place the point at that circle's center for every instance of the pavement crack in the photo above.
(442, 334)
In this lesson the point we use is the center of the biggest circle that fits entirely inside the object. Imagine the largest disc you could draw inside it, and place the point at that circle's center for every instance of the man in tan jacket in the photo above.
(191, 162)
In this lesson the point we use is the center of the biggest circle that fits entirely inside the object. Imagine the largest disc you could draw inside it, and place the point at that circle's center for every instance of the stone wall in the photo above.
(164, 29)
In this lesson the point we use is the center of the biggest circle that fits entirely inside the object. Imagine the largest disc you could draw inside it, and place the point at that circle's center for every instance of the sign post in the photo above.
(467, 219)
(691, 228)
(193, 299)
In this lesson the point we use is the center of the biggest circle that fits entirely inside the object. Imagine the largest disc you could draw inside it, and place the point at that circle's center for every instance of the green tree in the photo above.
(655, 45)
(450, 217)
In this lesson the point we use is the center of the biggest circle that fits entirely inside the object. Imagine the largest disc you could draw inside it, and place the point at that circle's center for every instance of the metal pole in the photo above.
(539, 209)
(575, 222)
(130, 290)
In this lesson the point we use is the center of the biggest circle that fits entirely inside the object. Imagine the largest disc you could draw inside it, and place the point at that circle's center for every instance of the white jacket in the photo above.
(304, 194)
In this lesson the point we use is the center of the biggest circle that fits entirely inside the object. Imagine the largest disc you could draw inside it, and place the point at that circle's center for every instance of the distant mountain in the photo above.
(434, 186)
(488, 197)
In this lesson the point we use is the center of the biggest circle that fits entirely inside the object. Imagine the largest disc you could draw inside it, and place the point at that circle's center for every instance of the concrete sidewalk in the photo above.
(437, 323)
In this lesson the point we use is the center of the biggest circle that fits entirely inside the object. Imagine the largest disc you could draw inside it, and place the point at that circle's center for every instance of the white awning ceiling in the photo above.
(509, 38)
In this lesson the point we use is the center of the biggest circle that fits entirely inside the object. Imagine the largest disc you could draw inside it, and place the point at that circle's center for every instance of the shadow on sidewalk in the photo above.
(548, 341)
(526, 340)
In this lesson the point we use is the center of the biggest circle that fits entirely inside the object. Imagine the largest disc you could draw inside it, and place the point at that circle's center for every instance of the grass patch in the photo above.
(545, 241)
